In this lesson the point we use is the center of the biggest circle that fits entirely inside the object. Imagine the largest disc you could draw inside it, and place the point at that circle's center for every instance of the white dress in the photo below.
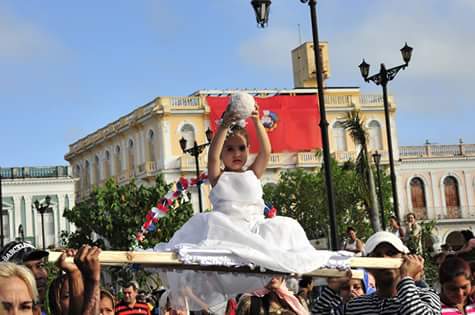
(236, 232)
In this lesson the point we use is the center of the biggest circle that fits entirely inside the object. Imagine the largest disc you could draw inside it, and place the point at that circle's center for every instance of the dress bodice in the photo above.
(238, 194)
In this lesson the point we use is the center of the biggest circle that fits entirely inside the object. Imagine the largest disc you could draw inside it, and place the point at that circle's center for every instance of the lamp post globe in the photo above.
(42, 208)
(406, 53)
(195, 151)
(261, 9)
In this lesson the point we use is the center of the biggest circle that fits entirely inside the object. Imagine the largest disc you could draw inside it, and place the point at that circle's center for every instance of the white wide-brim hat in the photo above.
(384, 237)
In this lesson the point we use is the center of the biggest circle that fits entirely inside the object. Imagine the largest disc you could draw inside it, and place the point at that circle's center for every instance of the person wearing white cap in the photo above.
(396, 291)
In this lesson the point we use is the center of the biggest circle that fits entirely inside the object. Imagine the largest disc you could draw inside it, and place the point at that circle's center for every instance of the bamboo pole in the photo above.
(169, 260)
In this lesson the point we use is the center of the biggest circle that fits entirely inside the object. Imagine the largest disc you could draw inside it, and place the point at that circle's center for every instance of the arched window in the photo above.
(452, 201)
(66, 206)
(418, 198)
(77, 174)
(339, 137)
(23, 214)
(6, 221)
(118, 161)
(374, 133)
(131, 155)
(107, 164)
(188, 132)
(87, 174)
(151, 146)
(97, 170)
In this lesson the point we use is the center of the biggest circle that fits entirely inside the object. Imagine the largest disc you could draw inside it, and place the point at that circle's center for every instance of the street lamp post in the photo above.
(195, 151)
(261, 8)
(21, 232)
(377, 161)
(382, 78)
(42, 208)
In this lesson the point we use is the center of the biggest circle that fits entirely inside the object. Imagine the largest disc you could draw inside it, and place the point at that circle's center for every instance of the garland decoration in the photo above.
(169, 202)
(269, 210)
(172, 199)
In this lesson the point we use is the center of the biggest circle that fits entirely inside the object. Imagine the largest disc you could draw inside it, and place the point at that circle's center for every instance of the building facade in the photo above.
(21, 188)
(435, 182)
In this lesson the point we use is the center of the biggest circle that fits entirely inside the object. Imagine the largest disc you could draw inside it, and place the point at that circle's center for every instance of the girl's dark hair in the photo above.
(305, 281)
(467, 235)
(54, 294)
(453, 267)
(395, 219)
(238, 130)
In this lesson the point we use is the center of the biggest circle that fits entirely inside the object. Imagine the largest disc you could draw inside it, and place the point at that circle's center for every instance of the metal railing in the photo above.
(34, 172)
(437, 150)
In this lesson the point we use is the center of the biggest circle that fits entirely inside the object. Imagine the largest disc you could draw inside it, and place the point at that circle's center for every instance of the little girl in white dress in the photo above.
(237, 226)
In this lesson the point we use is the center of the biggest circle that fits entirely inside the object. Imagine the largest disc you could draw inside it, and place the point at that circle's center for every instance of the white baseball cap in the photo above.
(384, 237)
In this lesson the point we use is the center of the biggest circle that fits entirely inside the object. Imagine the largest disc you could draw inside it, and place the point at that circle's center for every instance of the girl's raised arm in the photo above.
(260, 163)
(216, 146)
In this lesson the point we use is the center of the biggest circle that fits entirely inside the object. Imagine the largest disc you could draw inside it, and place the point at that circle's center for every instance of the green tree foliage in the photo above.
(354, 124)
(116, 212)
(301, 194)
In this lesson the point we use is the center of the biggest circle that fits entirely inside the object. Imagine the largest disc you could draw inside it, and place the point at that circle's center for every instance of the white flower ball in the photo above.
(242, 104)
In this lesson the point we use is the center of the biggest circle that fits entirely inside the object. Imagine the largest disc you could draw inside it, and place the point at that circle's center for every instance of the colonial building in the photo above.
(21, 188)
(146, 141)
(437, 182)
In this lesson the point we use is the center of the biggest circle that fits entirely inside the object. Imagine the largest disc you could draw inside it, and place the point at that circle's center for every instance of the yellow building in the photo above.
(146, 141)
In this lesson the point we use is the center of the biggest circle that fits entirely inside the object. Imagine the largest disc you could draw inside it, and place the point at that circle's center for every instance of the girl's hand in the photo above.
(228, 118)
(255, 113)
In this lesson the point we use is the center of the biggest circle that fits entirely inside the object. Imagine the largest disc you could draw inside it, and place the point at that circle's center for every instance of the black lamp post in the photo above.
(42, 208)
(382, 78)
(195, 151)
(377, 161)
(261, 8)
(1, 212)
(21, 233)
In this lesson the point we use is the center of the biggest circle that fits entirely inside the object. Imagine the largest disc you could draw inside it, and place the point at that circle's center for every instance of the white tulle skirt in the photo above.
(277, 244)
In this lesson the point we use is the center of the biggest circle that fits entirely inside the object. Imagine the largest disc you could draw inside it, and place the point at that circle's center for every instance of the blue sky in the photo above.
(68, 68)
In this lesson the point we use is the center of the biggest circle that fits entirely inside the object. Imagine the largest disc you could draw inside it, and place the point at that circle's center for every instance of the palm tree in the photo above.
(354, 124)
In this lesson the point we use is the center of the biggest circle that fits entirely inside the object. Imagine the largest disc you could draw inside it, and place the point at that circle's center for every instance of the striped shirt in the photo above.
(410, 300)
(138, 309)
(450, 310)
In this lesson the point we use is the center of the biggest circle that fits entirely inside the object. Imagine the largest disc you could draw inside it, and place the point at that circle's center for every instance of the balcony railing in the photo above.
(181, 102)
(444, 213)
(437, 150)
(308, 159)
(34, 172)
(187, 162)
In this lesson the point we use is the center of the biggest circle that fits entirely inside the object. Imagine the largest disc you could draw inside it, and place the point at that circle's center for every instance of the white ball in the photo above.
(242, 104)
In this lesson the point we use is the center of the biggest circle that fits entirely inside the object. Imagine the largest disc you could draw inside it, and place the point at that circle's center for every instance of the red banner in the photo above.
(291, 121)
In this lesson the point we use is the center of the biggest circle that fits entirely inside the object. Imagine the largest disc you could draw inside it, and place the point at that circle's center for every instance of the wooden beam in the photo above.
(169, 260)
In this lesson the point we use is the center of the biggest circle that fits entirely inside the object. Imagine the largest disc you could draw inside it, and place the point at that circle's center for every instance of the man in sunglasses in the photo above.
(396, 291)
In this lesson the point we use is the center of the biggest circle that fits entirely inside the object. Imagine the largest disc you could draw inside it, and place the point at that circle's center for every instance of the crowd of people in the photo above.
(77, 288)
(237, 225)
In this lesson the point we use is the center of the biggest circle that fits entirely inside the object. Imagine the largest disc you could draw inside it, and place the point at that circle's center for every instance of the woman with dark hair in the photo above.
(58, 295)
(394, 226)
(455, 281)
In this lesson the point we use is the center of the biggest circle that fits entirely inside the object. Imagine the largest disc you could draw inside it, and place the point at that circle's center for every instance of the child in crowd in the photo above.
(456, 288)
(237, 224)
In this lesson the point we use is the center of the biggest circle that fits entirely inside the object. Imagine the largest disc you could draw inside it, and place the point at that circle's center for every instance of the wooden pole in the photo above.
(169, 260)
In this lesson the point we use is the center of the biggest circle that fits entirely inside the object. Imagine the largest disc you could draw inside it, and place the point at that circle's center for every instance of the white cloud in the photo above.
(23, 41)
(270, 50)
(443, 46)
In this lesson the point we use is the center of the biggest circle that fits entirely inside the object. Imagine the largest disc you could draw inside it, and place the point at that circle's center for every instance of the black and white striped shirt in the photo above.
(410, 300)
